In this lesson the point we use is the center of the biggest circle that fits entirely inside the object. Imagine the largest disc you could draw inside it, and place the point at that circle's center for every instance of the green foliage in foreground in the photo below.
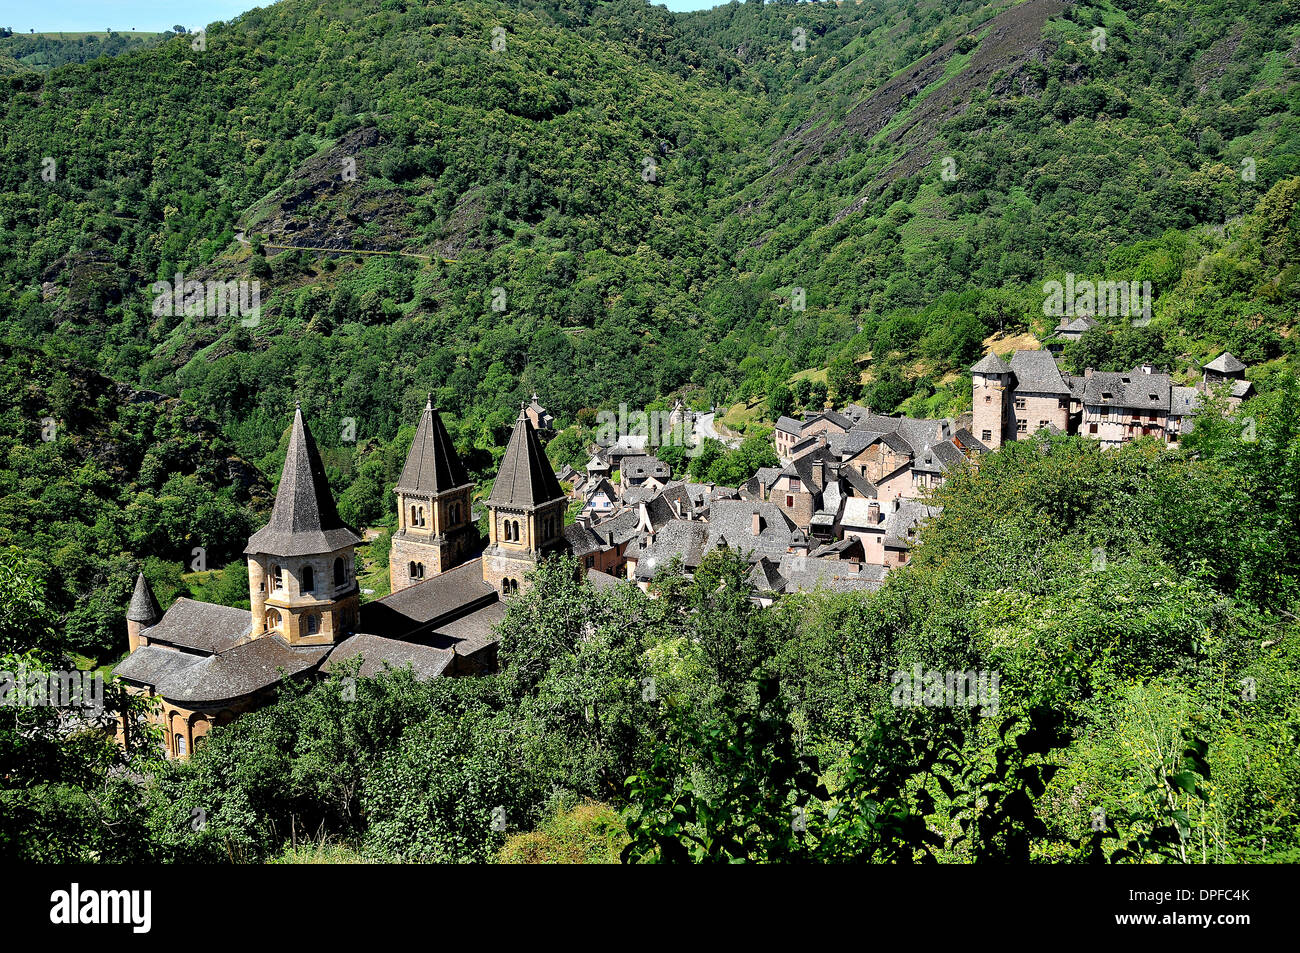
(1146, 706)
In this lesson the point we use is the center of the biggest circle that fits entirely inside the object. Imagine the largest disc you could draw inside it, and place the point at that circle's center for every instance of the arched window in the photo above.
(313, 624)
(308, 579)
(415, 516)
(272, 620)
(505, 587)
(340, 572)
(421, 522)
(180, 745)
(415, 571)
(277, 577)
(514, 586)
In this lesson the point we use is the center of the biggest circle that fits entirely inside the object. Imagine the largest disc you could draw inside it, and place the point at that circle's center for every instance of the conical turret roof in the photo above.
(433, 465)
(525, 477)
(144, 607)
(304, 520)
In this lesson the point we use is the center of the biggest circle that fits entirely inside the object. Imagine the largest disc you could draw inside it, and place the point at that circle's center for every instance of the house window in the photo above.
(591, 561)
(514, 587)
(794, 486)
(313, 624)
(340, 572)
(986, 435)
(180, 745)
(988, 398)
(308, 579)
(1092, 428)
(505, 587)
(1020, 403)
(789, 501)
(1022, 426)
(277, 578)
(902, 558)
(417, 570)
(1042, 424)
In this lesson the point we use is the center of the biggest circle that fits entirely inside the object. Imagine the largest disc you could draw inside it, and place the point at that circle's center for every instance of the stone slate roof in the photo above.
(855, 512)
(765, 577)
(525, 478)
(1225, 363)
(789, 425)
(968, 440)
(848, 548)
(806, 573)
(1133, 390)
(1077, 326)
(603, 580)
(908, 515)
(144, 607)
(153, 665)
(862, 487)
(1183, 401)
(202, 626)
(1242, 388)
(582, 540)
(432, 465)
(379, 654)
(430, 651)
(1036, 373)
(468, 633)
(990, 363)
(303, 520)
(939, 458)
(832, 416)
(428, 604)
(639, 468)
(209, 680)
(684, 538)
(734, 521)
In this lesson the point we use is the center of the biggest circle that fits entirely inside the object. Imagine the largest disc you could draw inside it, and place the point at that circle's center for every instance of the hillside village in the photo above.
(846, 506)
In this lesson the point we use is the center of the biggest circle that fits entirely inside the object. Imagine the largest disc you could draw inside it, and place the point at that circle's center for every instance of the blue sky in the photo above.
(154, 15)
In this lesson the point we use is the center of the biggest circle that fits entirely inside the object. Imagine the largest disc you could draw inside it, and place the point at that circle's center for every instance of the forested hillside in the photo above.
(608, 203)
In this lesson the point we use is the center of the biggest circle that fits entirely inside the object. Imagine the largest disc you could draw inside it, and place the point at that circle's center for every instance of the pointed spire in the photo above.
(525, 477)
(144, 607)
(303, 520)
(432, 465)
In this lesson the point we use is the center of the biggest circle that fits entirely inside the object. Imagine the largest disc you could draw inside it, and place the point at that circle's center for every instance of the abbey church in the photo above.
(208, 663)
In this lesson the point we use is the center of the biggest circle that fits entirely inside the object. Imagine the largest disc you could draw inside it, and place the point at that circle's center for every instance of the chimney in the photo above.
(1148, 368)
(1087, 373)
(583, 519)
(758, 522)
(873, 512)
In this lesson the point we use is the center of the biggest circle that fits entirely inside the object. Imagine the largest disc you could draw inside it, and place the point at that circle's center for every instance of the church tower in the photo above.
(141, 613)
(991, 383)
(526, 511)
(302, 565)
(434, 525)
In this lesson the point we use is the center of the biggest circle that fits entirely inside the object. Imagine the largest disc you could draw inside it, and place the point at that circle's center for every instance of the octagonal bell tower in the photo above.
(302, 564)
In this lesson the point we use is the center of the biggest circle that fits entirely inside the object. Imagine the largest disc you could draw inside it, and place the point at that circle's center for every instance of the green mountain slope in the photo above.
(641, 196)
